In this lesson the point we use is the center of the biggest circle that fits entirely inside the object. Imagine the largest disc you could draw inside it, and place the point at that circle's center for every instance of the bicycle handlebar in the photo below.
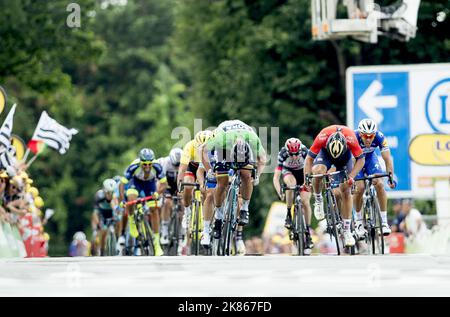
(373, 176)
(183, 184)
(296, 187)
(139, 200)
(328, 174)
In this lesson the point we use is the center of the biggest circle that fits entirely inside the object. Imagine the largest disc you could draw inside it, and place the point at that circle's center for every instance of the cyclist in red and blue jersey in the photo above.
(369, 138)
(141, 179)
(335, 146)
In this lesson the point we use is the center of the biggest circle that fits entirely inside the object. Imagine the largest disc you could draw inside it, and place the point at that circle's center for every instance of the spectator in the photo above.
(79, 246)
(399, 215)
(413, 225)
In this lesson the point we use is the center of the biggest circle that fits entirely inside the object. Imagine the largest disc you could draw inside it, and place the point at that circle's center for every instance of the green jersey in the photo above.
(229, 131)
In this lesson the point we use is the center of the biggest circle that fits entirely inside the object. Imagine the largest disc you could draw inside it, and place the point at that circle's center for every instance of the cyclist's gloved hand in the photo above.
(392, 184)
(256, 180)
(122, 204)
(155, 195)
(350, 181)
(210, 176)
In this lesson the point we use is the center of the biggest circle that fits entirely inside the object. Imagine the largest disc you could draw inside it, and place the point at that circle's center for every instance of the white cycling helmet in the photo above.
(367, 126)
(175, 156)
(79, 236)
(109, 185)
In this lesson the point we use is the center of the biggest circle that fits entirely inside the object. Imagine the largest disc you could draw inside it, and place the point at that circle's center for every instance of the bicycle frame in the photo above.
(298, 219)
(145, 237)
(372, 214)
(332, 214)
(196, 223)
(174, 227)
(110, 245)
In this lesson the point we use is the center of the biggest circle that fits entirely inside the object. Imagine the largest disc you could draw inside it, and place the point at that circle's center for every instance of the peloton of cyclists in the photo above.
(209, 157)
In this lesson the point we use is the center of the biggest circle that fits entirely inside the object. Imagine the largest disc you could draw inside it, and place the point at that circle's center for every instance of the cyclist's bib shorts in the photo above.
(192, 170)
(298, 174)
(371, 166)
(141, 188)
(343, 163)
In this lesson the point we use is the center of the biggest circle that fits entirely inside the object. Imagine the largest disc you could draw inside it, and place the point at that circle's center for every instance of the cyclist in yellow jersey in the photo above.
(190, 160)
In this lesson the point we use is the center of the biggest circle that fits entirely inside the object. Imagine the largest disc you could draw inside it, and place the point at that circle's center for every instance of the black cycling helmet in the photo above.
(241, 151)
(336, 144)
(146, 155)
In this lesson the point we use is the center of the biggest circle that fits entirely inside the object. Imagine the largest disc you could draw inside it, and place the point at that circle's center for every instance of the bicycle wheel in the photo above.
(378, 237)
(148, 239)
(172, 247)
(299, 227)
(195, 241)
(332, 212)
(110, 243)
(368, 226)
(230, 218)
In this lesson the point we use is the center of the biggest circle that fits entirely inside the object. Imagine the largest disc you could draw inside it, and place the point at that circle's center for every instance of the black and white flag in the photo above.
(53, 134)
(6, 129)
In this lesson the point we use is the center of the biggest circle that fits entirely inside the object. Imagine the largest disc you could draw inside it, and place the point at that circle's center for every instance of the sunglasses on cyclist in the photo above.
(294, 154)
(147, 163)
(368, 136)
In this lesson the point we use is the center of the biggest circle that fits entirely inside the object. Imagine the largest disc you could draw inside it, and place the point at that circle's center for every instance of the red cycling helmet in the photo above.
(293, 145)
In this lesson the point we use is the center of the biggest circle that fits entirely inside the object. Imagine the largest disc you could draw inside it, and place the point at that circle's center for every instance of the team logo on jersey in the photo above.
(335, 148)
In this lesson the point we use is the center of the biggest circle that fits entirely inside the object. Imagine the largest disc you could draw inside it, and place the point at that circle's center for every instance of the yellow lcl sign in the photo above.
(430, 149)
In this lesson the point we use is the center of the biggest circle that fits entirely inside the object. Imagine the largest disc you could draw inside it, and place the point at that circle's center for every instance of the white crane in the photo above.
(365, 20)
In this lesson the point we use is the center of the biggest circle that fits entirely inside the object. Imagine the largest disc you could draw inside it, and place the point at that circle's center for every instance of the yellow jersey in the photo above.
(191, 153)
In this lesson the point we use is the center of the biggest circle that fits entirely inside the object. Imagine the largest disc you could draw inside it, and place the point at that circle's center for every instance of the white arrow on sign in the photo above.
(369, 102)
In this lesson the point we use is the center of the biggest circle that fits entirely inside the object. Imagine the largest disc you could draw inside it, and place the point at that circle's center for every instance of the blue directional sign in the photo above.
(384, 97)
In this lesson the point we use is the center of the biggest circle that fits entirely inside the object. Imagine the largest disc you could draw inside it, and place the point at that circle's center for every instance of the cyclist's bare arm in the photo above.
(121, 191)
(359, 164)
(161, 187)
(276, 180)
(260, 164)
(386, 155)
(181, 171)
(308, 165)
(201, 175)
(205, 159)
(94, 220)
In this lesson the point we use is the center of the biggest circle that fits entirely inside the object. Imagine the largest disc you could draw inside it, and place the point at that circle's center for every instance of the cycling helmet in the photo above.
(79, 236)
(203, 136)
(367, 126)
(146, 155)
(293, 145)
(109, 185)
(336, 145)
(241, 152)
(175, 156)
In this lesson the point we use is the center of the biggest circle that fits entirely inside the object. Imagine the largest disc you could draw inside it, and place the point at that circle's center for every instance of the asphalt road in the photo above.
(389, 275)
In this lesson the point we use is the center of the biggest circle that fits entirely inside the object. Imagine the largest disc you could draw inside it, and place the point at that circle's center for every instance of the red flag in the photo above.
(36, 146)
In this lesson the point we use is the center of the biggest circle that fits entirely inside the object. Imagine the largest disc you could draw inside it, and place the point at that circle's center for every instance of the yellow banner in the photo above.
(430, 149)
(19, 144)
(2, 99)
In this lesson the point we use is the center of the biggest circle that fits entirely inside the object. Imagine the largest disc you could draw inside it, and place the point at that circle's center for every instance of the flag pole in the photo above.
(33, 159)
(26, 155)
(28, 149)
